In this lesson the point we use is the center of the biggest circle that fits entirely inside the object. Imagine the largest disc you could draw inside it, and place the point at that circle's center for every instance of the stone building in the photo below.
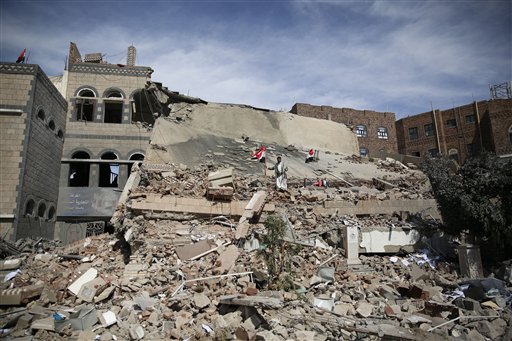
(459, 132)
(109, 121)
(375, 130)
(32, 126)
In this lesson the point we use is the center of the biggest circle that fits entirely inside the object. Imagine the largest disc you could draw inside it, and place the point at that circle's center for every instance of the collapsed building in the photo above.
(192, 256)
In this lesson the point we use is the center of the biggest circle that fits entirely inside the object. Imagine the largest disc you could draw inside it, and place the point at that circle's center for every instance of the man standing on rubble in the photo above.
(280, 170)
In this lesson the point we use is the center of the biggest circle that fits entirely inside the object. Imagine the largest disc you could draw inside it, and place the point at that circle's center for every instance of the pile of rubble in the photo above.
(187, 262)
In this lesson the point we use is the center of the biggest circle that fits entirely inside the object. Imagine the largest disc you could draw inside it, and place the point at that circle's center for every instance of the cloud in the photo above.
(382, 55)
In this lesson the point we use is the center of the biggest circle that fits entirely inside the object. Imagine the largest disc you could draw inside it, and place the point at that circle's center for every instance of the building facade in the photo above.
(32, 126)
(109, 121)
(375, 130)
(459, 132)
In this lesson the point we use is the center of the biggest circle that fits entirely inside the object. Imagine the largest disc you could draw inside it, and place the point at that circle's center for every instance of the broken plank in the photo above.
(223, 173)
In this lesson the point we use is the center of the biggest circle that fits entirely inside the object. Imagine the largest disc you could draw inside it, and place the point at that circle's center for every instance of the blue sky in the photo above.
(388, 55)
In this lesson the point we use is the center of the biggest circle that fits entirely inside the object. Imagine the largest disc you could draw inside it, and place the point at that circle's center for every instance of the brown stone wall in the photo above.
(465, 130)
(351, 118)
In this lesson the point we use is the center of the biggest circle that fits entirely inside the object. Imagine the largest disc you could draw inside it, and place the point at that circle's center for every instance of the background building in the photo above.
(109, 122)
(375, 130)
(32, 126)
(459, 132)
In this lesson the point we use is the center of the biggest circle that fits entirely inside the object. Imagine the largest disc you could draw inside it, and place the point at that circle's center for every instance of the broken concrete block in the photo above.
(220, 174)
(305, 335)
(187, 252)
(18, 296)
(364, 309)
(136, 332)
(89, 275)
(417, 273)
(220, 192)
(108, 318)
(227, 259)
(104, 294)
(47, 323)
(92, 288)
(10, 264)
(344, 309)
(82, 319)
(492, 330)
(201, 300)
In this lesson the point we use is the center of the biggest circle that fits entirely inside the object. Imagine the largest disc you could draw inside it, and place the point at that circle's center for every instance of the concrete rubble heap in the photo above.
(187, 258)
(181, 266)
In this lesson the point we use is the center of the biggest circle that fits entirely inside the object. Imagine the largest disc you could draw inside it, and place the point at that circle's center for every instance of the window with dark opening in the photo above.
(363, 151)
(113, 112)
(41, 114)
(510, 134)
(413, 133)
(51, 213)
(470, 119)
(451, 123)
(429, 130)
(29, 208)
(109, 172)
(41, 210)
(51, 125)
(79, 171)
(135, 157)
(143, 107)
(60, 134)
(361, 130)
(382, 133)
(433, 152)
(85, 106)
(416, 154)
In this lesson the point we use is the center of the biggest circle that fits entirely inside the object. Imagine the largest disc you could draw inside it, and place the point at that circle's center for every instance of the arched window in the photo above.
(41, 210)
(51, 213)
(361, 130)
(382, 133)
(84, 105)
(51, 125)
(113, 93)
(60, 134)
(453, 154)
(363, 151)
(86, 92)
(135, 157)
(109, 172)
(29, 207)
(79, 170)
(41, 114)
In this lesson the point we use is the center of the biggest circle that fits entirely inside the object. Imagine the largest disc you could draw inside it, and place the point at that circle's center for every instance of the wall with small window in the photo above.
(39, 187)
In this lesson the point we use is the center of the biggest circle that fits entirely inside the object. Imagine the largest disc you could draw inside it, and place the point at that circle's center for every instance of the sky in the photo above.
(400, 56)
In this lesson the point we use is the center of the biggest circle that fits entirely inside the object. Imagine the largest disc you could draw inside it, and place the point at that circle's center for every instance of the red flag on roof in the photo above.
(21, 57)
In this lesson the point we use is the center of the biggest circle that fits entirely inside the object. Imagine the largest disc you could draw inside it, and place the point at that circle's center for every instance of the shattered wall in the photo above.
(380, 126)
(203, 123)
